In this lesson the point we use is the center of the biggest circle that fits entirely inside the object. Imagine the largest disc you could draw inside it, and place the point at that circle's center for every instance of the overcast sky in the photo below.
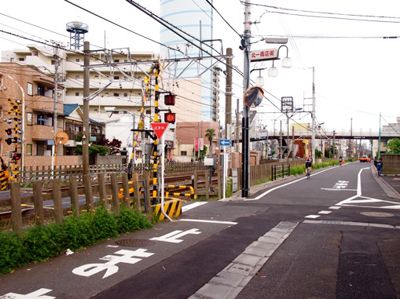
(356, 69)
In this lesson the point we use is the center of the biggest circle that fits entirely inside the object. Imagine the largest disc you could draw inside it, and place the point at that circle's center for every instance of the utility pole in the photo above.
(56, 65)
(228, 92)
(379, 140)
(86, 133)
(293, 143)
(313, 117)
(287, 142)
(334, 145)
(351, 135)
(281, 141)
(245, 44)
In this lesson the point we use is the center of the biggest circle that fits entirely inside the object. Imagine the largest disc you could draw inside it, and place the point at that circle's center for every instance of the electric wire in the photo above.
(234, 30)
(323, 12)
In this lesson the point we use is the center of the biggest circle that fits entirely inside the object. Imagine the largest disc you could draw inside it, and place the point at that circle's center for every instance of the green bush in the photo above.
(104, 225)
(41, 243)
(78, 231)
(131, 220)
(11, 252)
(297, 169)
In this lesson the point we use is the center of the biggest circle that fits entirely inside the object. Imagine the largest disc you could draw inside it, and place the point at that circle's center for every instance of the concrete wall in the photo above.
(391, 164)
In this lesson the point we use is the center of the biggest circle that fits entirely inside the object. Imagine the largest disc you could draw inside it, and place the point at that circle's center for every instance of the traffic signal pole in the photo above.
(245, 43)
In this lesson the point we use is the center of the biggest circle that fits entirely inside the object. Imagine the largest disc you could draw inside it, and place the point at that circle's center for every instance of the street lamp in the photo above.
(286, 63)
(246, 45)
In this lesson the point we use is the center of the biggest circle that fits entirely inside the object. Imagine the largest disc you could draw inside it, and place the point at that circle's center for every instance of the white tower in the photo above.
(196, 19)
(77, 30)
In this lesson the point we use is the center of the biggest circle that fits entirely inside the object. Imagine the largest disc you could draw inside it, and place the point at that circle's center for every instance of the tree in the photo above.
(210, 133)
(394, 146)
(318, 153)
(114, 146)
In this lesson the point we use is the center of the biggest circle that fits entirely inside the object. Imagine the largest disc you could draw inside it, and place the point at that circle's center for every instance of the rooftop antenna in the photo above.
(77, 30)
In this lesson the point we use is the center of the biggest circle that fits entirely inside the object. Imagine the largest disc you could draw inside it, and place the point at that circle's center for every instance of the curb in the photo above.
(389, 190)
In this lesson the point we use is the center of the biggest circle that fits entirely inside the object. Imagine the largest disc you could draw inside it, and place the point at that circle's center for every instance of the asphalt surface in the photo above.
(328, 237)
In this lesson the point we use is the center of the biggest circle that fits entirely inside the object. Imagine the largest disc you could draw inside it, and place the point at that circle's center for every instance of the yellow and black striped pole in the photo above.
(156, 119)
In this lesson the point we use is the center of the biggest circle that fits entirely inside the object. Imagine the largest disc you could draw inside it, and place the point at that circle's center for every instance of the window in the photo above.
(29, 119)
(77, 77)
(183, 153)
(116, 94)
(30, 89)
(77, 60)
(40, 90)
(29, 149)
(116, 77)
(44, 120)
(125, 94)
(77, 94)
(116, 60)
(21, 59)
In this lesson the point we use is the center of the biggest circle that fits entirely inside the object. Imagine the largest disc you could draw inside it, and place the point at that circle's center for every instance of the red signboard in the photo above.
(159, 128)
(268, 54)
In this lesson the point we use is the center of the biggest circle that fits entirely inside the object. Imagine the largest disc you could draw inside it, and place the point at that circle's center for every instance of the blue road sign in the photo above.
(224, 142)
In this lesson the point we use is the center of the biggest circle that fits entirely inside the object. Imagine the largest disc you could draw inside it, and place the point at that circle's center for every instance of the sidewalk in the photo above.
(390, 184)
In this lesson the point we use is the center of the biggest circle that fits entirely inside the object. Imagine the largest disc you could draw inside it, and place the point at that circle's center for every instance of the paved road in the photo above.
(335, 235)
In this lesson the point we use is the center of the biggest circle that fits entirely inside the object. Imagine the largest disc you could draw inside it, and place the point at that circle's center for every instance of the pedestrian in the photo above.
(340, 160)
(379, 166)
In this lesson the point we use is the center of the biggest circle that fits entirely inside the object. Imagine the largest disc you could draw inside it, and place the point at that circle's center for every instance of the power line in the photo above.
(332, 17)
(323, 12)
(223, 18)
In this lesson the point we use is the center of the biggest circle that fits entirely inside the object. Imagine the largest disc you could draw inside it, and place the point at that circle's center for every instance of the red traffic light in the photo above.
(169, 117)
(8, 131)
(169, 100)
(17, 156)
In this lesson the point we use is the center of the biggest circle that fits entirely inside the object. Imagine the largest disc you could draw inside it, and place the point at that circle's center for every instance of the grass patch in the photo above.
(42, 243)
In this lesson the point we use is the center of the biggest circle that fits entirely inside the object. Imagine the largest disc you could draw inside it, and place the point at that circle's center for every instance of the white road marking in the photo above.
(192, 206)
(209, 221)
(124, 256)
(34, 295)
(336, 189)
(284, 185)
(313, 216)
(172, 237)
(324, 212)
(334, 208)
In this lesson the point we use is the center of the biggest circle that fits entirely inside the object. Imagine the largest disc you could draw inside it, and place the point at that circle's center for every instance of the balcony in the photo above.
(40, 132)
(45, 104)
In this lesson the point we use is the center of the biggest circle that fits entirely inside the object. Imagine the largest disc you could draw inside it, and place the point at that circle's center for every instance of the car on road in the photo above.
(365, 158)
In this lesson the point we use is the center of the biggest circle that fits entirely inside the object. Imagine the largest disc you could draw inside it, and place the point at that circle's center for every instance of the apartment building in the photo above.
(115, 80)
(28, 111)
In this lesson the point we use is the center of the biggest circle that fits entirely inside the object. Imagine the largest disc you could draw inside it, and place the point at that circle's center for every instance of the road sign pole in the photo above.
(162, 176)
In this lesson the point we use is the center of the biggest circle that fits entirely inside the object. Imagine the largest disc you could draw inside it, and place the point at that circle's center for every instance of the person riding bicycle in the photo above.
(308, 164)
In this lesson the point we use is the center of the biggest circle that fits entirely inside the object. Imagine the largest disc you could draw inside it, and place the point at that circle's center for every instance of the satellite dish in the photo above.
(61, 138)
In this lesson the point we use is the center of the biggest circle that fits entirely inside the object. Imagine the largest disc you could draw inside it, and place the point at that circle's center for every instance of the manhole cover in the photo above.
(134, 243)
(377, 214)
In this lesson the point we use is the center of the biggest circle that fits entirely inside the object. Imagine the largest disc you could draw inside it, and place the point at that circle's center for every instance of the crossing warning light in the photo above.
(9, 141)
(169, 99)
(8, 131)
(17, 156)
(169, 117)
